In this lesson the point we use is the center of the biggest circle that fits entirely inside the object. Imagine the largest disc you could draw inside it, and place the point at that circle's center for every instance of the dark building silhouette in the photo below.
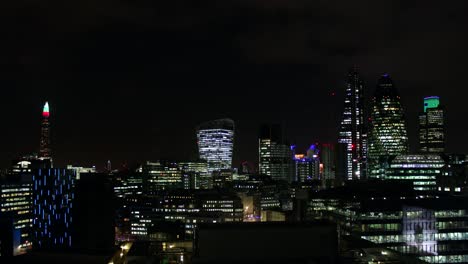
(94, 210)
(341, 164)
(8, 236)
(328, 157)
(268, 242)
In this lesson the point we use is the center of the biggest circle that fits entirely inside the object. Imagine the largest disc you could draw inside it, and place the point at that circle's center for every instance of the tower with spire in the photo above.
(44, 150)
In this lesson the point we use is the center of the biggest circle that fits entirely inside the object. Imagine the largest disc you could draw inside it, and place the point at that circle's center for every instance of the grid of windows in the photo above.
(352, 130)
(387, 135)
(16, 201)
(215, 143)
(431, 127)
(421, 170)
(275, 159)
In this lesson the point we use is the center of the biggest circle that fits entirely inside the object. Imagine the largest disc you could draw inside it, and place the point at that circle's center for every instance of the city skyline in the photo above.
(234, 131)
(414, 143)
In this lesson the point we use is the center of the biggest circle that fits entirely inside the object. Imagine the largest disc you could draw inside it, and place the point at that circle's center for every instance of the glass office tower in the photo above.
(352, 127)
(16, 193)
(432, 126)
(387, 129)
(275, 156)
(215, 143)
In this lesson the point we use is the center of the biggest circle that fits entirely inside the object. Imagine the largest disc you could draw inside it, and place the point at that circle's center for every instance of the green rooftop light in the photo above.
(431, 102)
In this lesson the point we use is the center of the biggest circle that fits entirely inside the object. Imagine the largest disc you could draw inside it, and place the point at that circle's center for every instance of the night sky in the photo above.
(128, 80)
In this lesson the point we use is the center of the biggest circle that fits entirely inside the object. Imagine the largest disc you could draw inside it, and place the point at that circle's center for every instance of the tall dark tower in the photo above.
(44, 151)
(387, 130)
(432, 126)
(352, 128)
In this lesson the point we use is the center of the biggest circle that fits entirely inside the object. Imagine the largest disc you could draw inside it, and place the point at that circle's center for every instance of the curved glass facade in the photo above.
(215, 143)
(387, 135)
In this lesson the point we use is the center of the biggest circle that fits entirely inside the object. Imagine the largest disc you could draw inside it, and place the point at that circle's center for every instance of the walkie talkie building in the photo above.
(215, 143)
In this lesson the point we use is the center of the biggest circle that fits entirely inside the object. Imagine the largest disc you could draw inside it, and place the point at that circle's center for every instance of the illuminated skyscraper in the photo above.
(16, 193)
(352, 128)
(275, 156)
(44, 150)
(432, 126)
(387, 134)
(215, 143)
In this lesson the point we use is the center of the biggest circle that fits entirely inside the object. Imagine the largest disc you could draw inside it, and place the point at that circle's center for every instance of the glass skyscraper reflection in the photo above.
(387, 129)
(352, 127)
(215, 143)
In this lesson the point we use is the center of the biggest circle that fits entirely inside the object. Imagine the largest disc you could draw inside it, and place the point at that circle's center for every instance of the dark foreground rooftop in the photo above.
(56, 258)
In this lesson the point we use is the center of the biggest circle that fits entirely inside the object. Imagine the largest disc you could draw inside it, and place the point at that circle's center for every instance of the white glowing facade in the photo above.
(352, 128)
(215, 143)
(422, 170)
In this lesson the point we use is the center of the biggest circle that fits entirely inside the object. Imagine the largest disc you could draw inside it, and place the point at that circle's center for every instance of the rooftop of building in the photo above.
(368, 189)
(385, 88)
(224, 123)
(59, 258)
(267, 225)
(418, 159)
(391, 196)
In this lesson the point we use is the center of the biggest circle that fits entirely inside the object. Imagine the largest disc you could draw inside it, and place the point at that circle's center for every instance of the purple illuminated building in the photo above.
(307, 167)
